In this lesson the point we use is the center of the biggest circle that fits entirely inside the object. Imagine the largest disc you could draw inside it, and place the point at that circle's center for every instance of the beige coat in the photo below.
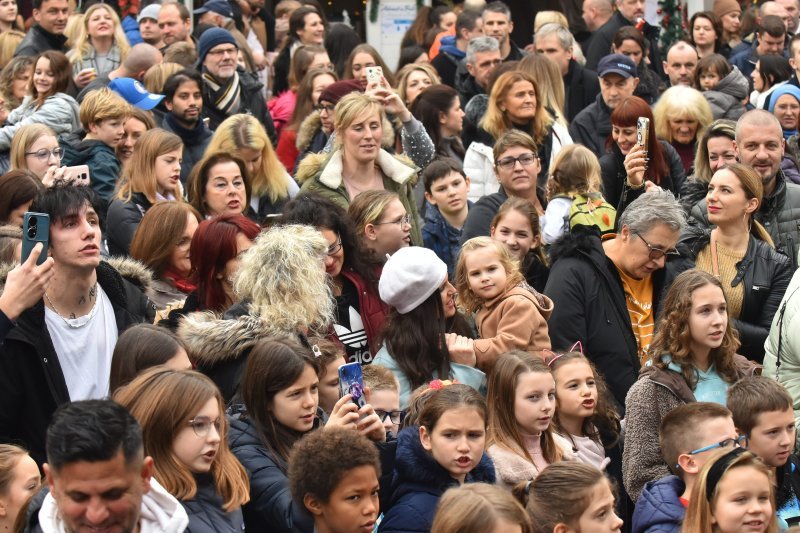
(517, 319)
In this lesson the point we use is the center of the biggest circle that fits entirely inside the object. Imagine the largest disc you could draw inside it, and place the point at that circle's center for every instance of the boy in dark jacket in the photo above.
(103, 114)
(688, 436)
(446, 188)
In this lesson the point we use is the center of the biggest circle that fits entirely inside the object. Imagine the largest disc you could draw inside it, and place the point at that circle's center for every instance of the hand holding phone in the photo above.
(351, 381)
(77, 176)
(374, 76)
(35, 229)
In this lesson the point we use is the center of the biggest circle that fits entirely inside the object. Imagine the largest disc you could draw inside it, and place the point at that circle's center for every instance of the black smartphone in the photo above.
(35, 228)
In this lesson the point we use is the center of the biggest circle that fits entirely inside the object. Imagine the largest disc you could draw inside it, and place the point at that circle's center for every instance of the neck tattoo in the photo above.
(81, 301)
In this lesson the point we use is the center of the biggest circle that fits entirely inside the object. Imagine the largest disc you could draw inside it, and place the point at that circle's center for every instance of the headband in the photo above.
(718, 470)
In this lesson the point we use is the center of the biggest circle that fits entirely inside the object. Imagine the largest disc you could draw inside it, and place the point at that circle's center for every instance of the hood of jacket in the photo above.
(543, 304)
(80, 153)
(329, 167)
(448, 45)
(307, 130)
(734, 84)
(160, 512)
(413, 464)
(133, 271)
(210, 340)
(659, 504)
(579, 242)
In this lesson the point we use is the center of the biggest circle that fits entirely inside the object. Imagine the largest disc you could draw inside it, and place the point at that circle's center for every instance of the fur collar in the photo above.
(210, 340)
(578, 242)
(328, 168)
(308, 128)
(133, 271)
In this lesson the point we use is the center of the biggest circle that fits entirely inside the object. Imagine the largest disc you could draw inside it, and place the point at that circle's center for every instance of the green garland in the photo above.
(673, 21)
(373, 9)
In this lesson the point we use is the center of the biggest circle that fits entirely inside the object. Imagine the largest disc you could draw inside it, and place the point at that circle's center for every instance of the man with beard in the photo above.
(228, 89)
(183, 97)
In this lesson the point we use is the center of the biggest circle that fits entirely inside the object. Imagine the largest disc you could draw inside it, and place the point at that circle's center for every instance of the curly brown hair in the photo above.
(673, 336)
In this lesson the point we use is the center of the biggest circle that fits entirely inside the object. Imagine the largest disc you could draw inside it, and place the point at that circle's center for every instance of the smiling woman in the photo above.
(681, 116)
(101, 45)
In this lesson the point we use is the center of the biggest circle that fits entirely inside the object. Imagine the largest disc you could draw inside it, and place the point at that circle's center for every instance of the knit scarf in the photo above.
(190, 136)
(225, 95)
(179, 282)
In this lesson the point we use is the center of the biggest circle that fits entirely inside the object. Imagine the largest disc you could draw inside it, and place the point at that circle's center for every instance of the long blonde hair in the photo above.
(551, 83)
(244, 132)
(83, 43)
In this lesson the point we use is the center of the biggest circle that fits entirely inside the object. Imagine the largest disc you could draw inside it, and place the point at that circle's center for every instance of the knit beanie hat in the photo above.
(211, 38)
(410, 276)
(723, 7)
(338, 90)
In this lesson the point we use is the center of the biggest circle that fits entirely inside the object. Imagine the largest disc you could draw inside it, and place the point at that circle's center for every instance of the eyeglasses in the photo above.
(402, 221)
(326, 108)
(202, 425)
(657, 253)
(44, 154)
(508, 163)
(739, 442)
(395, 416)
(220, 53)
(334, 248)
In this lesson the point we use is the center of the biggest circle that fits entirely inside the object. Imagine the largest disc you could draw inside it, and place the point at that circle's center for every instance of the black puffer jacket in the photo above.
(32, 382)
(590, 307)
(612, 166)
(779, 213)
(205, 511)
(122, 220)
(765, 274)
(592, 126)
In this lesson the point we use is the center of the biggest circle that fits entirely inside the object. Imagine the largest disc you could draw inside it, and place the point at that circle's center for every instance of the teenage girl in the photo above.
(734, 493)
(19, 480)
(575, 171)
(521, 398)
(509, 313)
(571, 496)
(445, 450)
(517, 225)
(185, 432)
(480, 508)
(381, 222)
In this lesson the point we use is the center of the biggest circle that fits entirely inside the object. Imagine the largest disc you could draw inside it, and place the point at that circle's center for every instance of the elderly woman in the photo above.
(739, 252)
(517, 164)
(358, 163)
(219, 185)
(283, 288)
(514, 104)
(716, 149)
(681, 115)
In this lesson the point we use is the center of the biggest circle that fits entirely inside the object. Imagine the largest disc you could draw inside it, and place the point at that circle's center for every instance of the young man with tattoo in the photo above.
(61, 349)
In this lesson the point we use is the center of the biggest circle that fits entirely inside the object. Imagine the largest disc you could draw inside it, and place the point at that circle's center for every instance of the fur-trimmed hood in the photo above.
(579, 242)
(210, 340)
(130, 269)
(307, 130)
(328, 168)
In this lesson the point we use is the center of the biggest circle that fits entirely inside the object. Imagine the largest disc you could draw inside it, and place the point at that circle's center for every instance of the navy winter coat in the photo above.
(659, 508)
(205, 511)
(419, 482)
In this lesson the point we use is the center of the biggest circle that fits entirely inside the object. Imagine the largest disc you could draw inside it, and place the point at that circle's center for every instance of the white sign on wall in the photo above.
(386, 35)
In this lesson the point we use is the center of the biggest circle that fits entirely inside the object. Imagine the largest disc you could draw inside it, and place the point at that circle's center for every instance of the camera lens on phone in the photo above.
(32, 232)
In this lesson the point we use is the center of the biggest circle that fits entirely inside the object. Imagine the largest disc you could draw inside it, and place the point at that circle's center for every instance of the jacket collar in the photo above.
(396, 171)
(58, 42)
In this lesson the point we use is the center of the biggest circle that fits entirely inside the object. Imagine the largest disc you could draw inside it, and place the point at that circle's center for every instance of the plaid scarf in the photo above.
(226, 96)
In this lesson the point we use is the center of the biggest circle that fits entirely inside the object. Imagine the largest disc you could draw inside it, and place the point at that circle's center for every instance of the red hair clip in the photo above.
(572, 348)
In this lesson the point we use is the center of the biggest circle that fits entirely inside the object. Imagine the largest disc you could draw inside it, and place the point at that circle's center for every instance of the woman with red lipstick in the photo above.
(279, 404)
(693, 359)
(740, 254)
(184, 429)
(219, 185)
(663, 166)
(100, 47)
(151, 175)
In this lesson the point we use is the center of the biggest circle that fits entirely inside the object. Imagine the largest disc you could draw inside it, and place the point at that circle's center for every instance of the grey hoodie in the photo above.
(60, 112)
(727, 98)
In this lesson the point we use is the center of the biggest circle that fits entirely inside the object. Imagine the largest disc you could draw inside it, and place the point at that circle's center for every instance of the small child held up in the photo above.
(570, 496)
(733, 493)
(516, 224)
(762, 411)
(725, 87)
(688, 437)
(445, 450)
(584, 415)
(480, 508)
(509, 313)
(446, 188)
(522, 441)
(334, 475)
(573, 194)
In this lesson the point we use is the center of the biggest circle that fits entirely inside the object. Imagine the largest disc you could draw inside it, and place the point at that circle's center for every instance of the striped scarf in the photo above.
(226, 96)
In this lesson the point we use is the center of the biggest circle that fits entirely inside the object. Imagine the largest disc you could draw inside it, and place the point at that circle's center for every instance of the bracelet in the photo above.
(633, 187)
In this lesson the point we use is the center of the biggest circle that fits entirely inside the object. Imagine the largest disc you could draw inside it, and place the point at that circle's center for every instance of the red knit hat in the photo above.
(338, 90)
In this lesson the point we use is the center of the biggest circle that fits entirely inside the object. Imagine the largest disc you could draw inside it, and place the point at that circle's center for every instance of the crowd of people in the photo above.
(564, 266)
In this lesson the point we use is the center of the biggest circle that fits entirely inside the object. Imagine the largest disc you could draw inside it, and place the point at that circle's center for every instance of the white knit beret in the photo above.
(410, 276)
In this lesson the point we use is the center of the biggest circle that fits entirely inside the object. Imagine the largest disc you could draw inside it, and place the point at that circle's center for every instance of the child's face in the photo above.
(576, 390)
(742, 501)
(534, 401)
(392, 231)
(708, 318)
(296, 406)
(709, 79)
(599, 516)
(353, 505)
(196, 444)
(329, 385)
(457, 441)
(387, 401)
(514, 229)
(449, 193)
(485, 274)
(712, 431)
(772, 437)
(110, 131)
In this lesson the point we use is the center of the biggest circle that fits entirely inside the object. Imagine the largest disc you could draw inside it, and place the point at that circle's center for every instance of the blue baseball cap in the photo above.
(134, 93)
(220, 7)
(617, 64)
